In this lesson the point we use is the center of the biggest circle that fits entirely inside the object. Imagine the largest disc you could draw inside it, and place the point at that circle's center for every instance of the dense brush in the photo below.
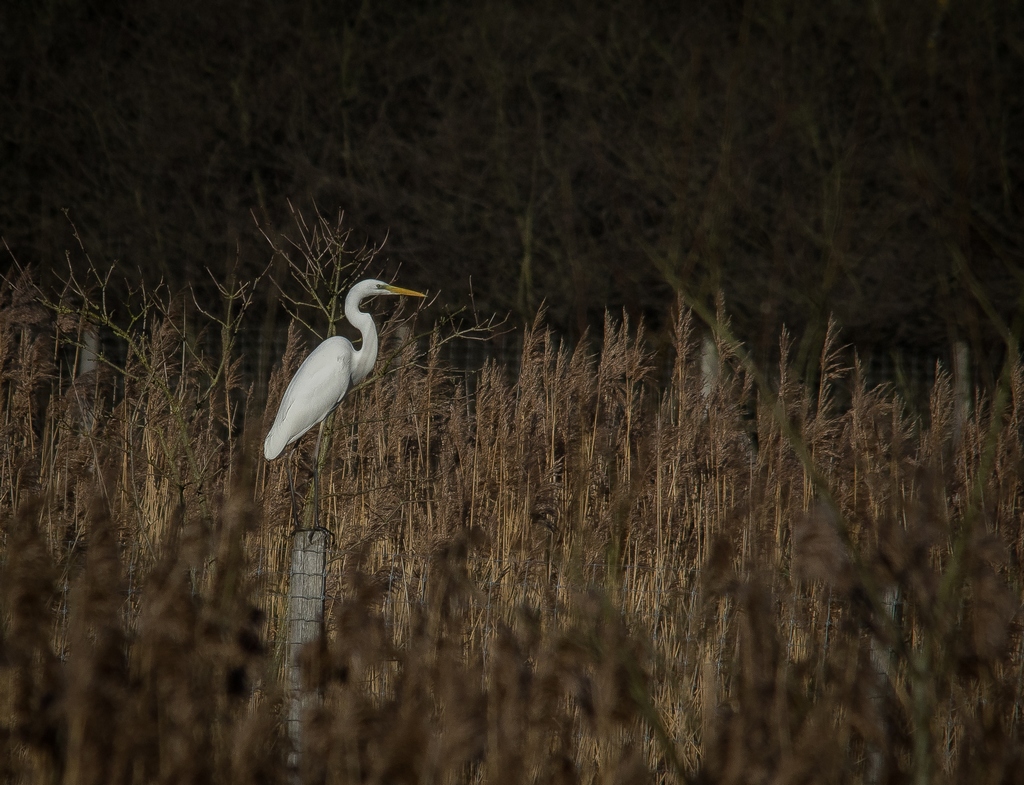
(578, 575)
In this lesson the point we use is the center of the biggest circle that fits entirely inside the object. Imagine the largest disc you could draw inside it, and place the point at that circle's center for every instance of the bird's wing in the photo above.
(317, 387)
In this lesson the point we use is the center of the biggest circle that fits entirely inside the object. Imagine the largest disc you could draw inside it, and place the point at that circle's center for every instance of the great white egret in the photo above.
(325, 377)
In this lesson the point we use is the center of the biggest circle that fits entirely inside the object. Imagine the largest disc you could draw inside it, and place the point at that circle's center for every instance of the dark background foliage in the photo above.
(861, 159)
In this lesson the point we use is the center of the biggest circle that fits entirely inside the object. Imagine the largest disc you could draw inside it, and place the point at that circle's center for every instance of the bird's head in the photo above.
(386, 288)
(371, 288)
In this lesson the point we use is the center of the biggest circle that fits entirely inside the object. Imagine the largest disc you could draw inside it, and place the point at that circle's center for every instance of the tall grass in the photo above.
(583, 574)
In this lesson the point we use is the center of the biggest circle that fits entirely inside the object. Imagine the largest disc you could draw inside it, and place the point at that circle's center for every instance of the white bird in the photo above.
(326, 376)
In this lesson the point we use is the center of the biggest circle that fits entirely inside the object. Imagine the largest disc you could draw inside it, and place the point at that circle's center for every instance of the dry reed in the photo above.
(579, 575)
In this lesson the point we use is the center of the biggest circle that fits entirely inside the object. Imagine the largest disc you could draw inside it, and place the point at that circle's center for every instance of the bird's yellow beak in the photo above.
(406, 292)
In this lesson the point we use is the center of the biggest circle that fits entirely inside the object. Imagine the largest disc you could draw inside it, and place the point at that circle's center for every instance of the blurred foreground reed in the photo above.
(581, 574)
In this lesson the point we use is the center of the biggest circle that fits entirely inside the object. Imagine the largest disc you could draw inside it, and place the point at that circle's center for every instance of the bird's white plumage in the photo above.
(317, 387)
(329, 372)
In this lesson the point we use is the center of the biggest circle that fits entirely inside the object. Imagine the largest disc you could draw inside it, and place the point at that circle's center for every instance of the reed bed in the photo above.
(593, 572)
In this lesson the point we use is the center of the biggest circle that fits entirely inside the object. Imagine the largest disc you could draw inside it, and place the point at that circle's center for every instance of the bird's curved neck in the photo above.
(366, 355)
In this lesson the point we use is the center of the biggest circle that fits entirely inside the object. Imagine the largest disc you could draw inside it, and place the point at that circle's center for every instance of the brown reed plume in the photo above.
(580, 574)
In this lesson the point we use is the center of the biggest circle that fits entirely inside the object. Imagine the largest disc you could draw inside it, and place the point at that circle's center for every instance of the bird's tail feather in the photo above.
(274, 444)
